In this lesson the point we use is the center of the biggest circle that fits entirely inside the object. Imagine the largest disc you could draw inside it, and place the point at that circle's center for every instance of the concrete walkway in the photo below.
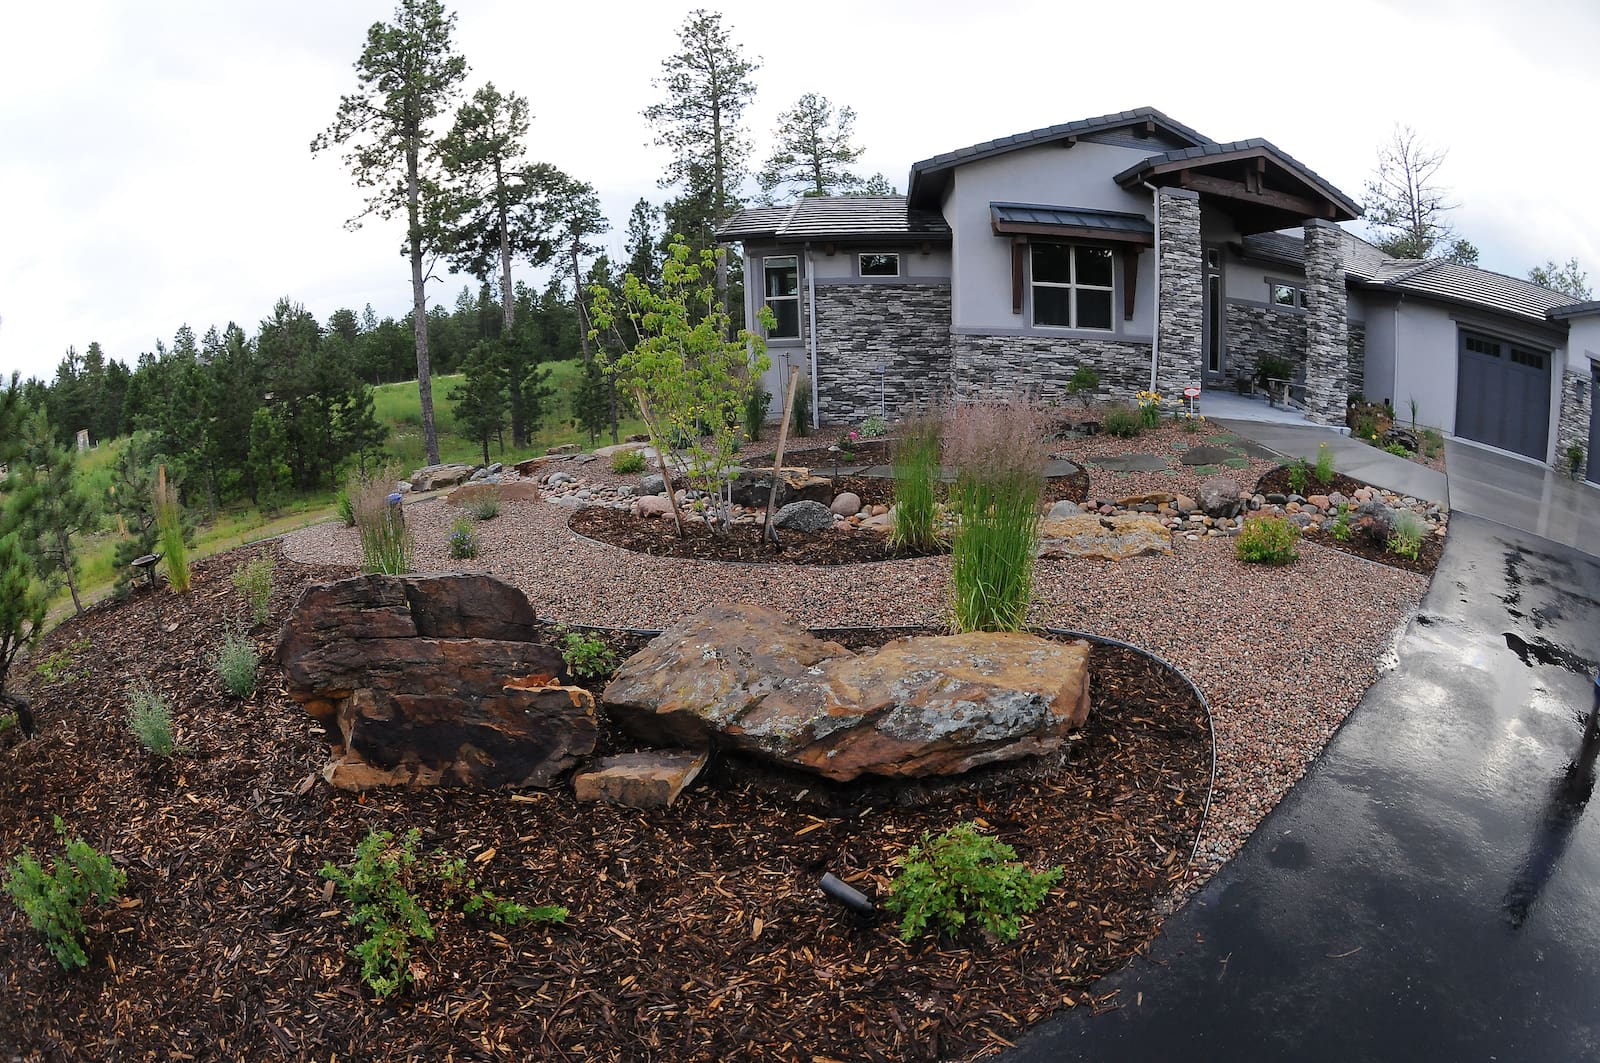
(1431, 889)
(1524, 495)
(1351, 457)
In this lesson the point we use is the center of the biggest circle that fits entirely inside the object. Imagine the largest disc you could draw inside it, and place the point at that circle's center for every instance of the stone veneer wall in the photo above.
(902, 328)
(1577, 406)
(996, 366)
(1256, 332)
(1356, 380)
(1327, 346)
(1180, 320)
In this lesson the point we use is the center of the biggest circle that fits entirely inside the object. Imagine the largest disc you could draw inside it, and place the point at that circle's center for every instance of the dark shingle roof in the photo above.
(929, 171)
(1583, 309)
(1076, 217)
(837, 218)
(1361, 260)
(1203, 151)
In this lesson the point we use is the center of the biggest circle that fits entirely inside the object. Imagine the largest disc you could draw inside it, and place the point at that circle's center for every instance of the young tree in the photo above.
(692, 377)
(481, 398)
(1406, 204)
(591, 402)
(814, 154)
(52, 505)
(407, 75)
(878, 185)
(708, 84)
(1569, 279)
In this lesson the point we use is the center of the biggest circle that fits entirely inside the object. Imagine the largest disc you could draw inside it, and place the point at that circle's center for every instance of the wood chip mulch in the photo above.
(696, 933)
(743, 543)
(1276, 481)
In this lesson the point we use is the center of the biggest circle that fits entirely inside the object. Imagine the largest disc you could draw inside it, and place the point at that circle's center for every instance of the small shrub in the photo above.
(756, 405)
(847, 445)
(150, 720)
(54, 902)
(1341, 528)
(463, 542)
(1299, 476)
(1122, 421)
(345, 508)
(254, 581)
(1267, 540)
(460, 887)
(1406, 534)
(1366, 428)
(915, 455)
(1191, 422)
(1433, 442)
(963, 876)
(1085, 382)
(874, 427)
(625, 462)
(485, 505)
(234, 660)
(1323, 470)
(8, 720)
(1273, 369)
(1412, 402)
(1575, 459)
(586, 656)
(378, 888)
(170, 533)
(800, 410)
(385, 540)
(1398, 450)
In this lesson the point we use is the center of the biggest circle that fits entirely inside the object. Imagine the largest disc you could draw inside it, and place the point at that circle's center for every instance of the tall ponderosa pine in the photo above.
(643, 243)
(708, 84)
(22, 603)
(575, 208)
(1408, 207)
(814, 154)
(407, 75)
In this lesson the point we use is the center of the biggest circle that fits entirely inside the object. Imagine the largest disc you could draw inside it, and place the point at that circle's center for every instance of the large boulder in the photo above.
(515, 491)
(429, 680)
(803, 516)
(1219, 496)
(434, 477)
(1112, 538)
(742, 677)
(752, 486)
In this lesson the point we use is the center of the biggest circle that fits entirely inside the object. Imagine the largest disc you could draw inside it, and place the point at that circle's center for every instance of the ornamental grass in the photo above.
(385, 542)
(915, 454)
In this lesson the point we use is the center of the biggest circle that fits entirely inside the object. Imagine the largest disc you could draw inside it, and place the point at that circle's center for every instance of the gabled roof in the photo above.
(928, 177)
(1362, 260)
(864, 218)
(1212, 154)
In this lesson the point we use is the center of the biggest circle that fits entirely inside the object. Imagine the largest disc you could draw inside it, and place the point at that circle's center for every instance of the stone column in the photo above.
(1181, 315)
(1327, 343)
(1577, 404)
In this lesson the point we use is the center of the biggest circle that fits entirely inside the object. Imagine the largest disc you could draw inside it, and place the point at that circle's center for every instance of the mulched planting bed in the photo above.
(813, 454)
(1427, 559)
(879, 490)
(1276, 482)
(743, 543)
(695, 932)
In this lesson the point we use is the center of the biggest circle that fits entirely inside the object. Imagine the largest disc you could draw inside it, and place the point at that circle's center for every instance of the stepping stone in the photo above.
(1207, 455)
(1059, 467)
(1256, 450)
(1130, 462)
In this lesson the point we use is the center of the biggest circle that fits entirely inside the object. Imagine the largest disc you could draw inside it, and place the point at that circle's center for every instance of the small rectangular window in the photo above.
(879, 265)
(782, 285)
(1285, 295)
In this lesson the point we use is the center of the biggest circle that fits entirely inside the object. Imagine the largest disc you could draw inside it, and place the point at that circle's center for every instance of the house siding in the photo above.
(1577, 406)
(1181, 314)
(1257, 332)
(881, 348)
(997, 366)
(1356, 339)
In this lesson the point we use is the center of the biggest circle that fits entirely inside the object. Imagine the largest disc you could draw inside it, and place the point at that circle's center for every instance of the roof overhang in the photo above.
(1563, 313)
(1071, 223)
(1263, 189)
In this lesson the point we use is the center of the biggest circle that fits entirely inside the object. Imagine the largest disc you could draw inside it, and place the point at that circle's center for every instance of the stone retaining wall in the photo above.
(1257, 332)
(995, 366)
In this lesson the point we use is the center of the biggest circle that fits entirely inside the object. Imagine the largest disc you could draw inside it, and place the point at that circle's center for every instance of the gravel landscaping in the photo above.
(1282, 655)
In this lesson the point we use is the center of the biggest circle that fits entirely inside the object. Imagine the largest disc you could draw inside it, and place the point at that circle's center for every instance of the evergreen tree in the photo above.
(576, 207)
(54, 509)
(643, 243)
(133, 485)
(814, 154)
(407, 75)
(591, 403)
(481, 399)
(268, 470)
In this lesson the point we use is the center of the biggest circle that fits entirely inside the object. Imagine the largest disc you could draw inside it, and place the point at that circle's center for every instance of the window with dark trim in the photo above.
(879, 264)
(782, 287)
(1286, 295)
(1072, 285)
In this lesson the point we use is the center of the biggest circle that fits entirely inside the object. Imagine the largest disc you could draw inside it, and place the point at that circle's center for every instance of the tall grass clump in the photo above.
(169, 533)
(254, 582)
(385, 542)
(916, 477)
(999, 451)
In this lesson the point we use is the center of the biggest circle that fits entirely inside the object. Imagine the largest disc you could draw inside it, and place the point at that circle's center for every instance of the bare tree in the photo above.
(1406, 204)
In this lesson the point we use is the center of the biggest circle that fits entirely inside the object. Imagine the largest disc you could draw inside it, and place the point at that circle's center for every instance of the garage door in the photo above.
(1503, 395)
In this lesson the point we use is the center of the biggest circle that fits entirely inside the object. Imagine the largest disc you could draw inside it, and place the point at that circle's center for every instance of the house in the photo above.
(1163, 259)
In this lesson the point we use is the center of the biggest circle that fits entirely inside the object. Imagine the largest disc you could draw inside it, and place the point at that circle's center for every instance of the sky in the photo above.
(155, 167)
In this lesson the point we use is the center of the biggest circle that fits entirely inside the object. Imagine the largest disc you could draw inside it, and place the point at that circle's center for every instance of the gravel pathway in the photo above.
(1282, 655)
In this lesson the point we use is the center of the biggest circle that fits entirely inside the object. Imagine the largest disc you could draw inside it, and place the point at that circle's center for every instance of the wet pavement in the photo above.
(1523, 494)
(1431, 889)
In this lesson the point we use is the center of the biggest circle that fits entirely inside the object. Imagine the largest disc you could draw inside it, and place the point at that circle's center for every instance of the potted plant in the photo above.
(1575, 460)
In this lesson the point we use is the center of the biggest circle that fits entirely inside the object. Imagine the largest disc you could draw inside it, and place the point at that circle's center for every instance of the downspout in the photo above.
(811, 336)
(1155, 331)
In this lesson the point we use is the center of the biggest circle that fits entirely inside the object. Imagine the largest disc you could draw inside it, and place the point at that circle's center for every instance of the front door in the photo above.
(1213, 352)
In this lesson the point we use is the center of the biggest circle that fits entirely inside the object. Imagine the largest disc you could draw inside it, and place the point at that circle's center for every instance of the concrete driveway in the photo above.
(1431, 889)
(1523, 495)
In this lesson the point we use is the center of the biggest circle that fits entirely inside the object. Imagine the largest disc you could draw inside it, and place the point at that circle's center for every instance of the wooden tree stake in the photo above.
(768, 531)
(663, 454)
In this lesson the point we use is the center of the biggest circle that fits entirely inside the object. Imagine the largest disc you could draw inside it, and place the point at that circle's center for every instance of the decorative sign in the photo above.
(1191, 392)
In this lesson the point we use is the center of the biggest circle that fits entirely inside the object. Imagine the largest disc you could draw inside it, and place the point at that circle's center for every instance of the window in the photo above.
(1527, 358)
(1288, 295)
(1072, 286)
(783, 296)
(879, 265)
(1482, 346)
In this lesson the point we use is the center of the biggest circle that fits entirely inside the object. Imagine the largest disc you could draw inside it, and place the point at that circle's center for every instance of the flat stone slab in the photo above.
(1053, 468)
(1207, 455)
(1130, 462)
(1105, 538)
(651, 779)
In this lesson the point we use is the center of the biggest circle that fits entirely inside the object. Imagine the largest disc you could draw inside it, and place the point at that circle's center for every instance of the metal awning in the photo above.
(1076, 222)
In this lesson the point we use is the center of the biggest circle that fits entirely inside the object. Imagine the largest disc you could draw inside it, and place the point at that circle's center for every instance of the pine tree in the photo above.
(591, 402)
(52, 505)
(814, 154)
(480, 401)
(644, 243)
(268, 469)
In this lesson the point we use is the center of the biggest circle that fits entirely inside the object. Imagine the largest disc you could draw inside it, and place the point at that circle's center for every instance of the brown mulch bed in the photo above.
(743, 543)
(695, 933)
(1276, 482)
(812, 453)
(1427, 559)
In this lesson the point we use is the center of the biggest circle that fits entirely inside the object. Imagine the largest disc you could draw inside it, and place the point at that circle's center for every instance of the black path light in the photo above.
(853, 899)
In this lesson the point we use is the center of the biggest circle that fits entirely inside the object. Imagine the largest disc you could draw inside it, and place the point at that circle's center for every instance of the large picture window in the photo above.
(1072, 286)
(783, 296)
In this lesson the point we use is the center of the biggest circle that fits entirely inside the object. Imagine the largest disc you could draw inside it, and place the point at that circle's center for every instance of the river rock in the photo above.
(434, 680)
(804, 516)
(846, 504)
(1219, 497)
(649, 506)
(1106, 538)
(1064, 508)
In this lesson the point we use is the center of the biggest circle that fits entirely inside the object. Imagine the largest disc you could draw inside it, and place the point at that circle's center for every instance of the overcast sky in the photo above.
(155, 171)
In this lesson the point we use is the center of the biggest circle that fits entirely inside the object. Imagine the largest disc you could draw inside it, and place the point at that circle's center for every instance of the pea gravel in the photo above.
(1282, 655)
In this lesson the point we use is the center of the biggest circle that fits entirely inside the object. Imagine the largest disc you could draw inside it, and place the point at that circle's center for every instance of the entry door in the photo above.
(1593, 475)
(1213, 352)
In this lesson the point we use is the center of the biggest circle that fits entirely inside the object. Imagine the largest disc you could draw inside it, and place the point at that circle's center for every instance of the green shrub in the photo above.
(800, 410)
(999, 450)
(8, 720)
(1191, 422)
(1433, 442)
(463, 541)
(378, 888)
(1085, 382)
(1267, 540)
(484, 505)
(874, 427)
(54, 902)
(1273, 369)
(58, 666)
(234, 659)
(1406, 534)
(586, 656)
(1398, 450)
(254, 581)
(963, 876)
(1575, 459)
(756, 405)
(1149, 409)
(170, 533)
(150, 720)
(1121, 421)
(915, 454)
(460, 888)
(1366, 428)
(625, 462)
(345, 508)
(1341, 528)
(1323, 470)
(385, 540)
(1299, 476)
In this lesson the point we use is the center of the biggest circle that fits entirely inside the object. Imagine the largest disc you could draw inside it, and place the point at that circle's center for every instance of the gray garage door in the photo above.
(1503, 395)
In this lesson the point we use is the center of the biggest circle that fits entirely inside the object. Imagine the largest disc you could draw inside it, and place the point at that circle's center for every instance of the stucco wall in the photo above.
(843, 263)
(1378, 381)
(1426, 363)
